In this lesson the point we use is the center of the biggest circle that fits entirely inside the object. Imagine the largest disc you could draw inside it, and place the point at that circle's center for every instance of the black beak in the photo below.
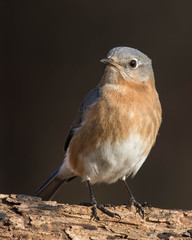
(110, 61)
(106, 61)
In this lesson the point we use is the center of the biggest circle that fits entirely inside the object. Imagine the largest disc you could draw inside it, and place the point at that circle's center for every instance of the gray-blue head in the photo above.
(130, 63)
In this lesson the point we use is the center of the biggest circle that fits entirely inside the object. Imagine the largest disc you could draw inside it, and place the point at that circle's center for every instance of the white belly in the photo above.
(108, 163)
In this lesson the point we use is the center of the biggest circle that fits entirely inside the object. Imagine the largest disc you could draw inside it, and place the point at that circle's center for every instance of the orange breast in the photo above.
(121, 110)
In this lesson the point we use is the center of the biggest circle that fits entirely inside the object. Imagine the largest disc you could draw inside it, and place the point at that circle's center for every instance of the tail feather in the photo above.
(48, 189)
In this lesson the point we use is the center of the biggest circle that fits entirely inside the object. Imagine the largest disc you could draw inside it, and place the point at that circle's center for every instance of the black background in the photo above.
(50, 52)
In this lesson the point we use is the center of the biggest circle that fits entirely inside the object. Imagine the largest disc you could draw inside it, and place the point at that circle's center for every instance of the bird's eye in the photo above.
(133, 63)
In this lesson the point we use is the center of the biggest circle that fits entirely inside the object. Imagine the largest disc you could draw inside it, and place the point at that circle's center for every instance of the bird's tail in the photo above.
(48, 189)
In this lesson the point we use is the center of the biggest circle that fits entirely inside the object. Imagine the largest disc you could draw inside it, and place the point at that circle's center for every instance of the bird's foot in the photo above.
(102, 208)
(108, 205)
(85, 204)
(139, 206)
(107, 212)
(146, 204)
(104, 205)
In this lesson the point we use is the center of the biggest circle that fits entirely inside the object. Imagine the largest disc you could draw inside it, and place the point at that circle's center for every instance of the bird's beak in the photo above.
(109, 61)
(106, 60)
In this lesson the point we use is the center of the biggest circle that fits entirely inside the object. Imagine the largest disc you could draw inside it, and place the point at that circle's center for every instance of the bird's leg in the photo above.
(133, 202)
(93, 202)
(95, 205)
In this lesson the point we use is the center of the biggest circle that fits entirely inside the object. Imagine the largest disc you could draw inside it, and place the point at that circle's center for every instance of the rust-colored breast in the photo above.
(122, 109)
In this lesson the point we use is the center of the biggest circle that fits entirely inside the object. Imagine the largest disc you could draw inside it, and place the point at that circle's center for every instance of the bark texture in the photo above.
(25, 217)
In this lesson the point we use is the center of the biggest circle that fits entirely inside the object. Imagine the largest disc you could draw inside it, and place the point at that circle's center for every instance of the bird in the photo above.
(114, 130)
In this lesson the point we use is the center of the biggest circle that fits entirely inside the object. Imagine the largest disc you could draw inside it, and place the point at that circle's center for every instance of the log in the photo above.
(26, 217)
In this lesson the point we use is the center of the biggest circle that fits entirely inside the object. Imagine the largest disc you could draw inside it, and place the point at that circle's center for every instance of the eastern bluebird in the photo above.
(115, 128)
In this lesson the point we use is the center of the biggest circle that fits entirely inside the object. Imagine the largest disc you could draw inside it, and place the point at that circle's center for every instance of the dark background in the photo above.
(50, 52)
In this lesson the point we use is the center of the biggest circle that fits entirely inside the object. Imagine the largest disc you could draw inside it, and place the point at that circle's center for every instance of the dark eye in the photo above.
(133, 63)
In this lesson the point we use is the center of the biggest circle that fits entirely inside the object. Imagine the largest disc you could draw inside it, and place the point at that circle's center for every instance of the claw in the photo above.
(107, 212)
(139, 207)
(109, 205)
(94, 213)
(101, 207)
(146, 204)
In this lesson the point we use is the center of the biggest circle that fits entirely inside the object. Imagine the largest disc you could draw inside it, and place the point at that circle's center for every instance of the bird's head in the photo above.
(128, 64)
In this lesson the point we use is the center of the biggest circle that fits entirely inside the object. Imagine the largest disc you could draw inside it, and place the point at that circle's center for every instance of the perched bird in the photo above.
(115, 128)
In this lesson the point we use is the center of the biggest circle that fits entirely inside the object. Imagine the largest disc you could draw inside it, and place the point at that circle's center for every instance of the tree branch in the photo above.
(25, 217)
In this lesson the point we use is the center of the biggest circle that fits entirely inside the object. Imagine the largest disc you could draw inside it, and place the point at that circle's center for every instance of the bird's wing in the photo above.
(88, 100)
(52, 184)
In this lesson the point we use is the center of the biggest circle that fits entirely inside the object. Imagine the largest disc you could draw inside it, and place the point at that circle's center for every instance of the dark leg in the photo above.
(95, 205)
(93, 202)
(132, 201)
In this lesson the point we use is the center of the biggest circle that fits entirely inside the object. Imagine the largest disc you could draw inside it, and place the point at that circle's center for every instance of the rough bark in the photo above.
(25, 217)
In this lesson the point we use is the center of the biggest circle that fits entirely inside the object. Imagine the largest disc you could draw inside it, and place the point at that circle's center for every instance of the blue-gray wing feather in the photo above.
(52, 184)
(88, 100)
